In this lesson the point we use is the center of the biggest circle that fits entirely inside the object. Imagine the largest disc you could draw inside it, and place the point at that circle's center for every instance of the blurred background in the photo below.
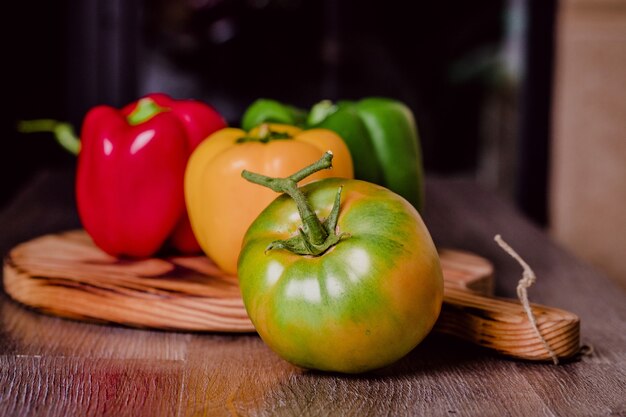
(524, 96)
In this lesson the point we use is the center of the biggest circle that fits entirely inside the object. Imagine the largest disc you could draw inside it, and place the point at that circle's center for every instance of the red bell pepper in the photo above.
(129, 182)
(199, 120)
(131, 166)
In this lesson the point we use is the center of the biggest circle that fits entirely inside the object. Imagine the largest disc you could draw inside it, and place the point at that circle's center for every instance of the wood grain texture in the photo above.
(503, 325)
(55, 367)
(67, 275)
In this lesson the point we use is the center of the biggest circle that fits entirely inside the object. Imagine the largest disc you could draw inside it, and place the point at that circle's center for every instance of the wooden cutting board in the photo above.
(66, 275)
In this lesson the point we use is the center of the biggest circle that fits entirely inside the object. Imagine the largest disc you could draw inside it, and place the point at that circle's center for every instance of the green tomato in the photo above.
(362, 304)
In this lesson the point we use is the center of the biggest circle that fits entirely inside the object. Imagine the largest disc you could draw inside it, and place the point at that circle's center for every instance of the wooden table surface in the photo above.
(56, 367)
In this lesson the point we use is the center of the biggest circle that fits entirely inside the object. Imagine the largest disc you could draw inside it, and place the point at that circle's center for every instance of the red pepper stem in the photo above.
(63, 132)
(145, 110)
(316, 237)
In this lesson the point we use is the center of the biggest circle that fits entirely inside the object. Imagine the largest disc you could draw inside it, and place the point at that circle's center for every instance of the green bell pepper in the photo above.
(266, 110)
(381, 134)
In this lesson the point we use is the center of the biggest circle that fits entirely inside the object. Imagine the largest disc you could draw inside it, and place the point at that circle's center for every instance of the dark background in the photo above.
(476, 116)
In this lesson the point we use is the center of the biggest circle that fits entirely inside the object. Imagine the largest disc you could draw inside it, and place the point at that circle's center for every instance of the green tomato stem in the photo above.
(315, 237)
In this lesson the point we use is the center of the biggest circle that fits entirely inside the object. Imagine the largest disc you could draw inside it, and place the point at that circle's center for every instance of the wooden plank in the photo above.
(426, 382)
(88, 386)
(33, 334)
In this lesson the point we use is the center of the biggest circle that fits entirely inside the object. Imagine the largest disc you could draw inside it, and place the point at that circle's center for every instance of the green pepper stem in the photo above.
(316, 237)
(145, 110)
(265, 135)
(63, 132)
(320, 111)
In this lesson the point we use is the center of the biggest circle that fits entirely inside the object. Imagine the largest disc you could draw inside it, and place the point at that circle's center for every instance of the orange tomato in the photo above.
(222, 205)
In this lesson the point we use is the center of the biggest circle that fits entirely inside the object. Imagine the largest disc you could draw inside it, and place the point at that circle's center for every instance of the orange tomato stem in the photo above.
(315, 237)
